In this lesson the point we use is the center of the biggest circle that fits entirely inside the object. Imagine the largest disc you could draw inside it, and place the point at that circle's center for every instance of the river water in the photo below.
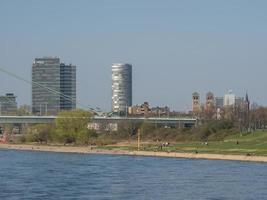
(45, 175)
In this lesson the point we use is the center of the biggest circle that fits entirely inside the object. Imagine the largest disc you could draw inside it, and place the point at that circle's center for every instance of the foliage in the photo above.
(71, 127)
(211, 130)
(125, 130)
(258, 118)
(39, 133)
(20, 138)
(146, 128)
(215, 127)
(73, 121)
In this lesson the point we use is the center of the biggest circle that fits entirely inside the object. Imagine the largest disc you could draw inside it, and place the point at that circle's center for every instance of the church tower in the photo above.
(195, 102)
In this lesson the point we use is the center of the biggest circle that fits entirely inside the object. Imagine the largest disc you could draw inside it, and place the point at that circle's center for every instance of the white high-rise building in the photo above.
(229, 99)
(121, 88)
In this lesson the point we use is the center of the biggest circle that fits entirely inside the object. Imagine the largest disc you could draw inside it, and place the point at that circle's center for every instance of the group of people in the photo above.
(164, 144)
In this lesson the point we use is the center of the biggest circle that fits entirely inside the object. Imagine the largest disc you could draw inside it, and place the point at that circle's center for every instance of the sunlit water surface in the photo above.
(43, 175)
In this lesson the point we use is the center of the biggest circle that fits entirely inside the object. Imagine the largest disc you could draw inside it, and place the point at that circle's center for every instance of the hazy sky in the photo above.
(175, 47)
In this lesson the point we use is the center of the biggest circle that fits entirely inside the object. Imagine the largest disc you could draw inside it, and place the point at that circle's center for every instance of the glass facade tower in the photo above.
(67, 86)
(53, 86)
(121, 88)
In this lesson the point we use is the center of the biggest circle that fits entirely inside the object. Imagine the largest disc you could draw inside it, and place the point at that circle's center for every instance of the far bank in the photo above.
(89, 150)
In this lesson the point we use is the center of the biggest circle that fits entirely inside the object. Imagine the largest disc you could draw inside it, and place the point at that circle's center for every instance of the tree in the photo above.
(261, 117)
(125, 130)
(147, 130)
(42, 133)
(71, 126)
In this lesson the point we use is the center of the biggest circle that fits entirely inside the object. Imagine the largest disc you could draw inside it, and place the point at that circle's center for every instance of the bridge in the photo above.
(97, 119)
(27, 119)
(188, 122)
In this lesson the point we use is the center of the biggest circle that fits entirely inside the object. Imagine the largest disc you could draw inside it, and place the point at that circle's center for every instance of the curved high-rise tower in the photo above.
(121, 87)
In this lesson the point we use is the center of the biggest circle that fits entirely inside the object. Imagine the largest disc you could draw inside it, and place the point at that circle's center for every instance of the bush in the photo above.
(215, 130)
(39, 133)
(20, 139)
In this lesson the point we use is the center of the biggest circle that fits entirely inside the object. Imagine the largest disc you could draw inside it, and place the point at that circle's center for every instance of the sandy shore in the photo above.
(88, 150)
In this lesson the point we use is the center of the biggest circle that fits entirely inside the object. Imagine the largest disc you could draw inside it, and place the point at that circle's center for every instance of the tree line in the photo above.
(71, 127)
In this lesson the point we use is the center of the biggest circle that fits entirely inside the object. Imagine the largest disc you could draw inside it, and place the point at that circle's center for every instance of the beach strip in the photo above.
(89, 150)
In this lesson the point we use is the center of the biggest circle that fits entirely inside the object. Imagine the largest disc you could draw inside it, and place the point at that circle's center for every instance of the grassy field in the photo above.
(251, 143)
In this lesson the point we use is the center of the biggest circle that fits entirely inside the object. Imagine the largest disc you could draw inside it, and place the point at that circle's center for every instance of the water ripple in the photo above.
(44, 175)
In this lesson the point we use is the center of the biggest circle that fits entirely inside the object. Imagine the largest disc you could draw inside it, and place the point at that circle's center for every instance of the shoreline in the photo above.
(88, 150)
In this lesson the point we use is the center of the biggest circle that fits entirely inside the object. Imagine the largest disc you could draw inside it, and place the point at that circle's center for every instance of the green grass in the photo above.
(252, 143)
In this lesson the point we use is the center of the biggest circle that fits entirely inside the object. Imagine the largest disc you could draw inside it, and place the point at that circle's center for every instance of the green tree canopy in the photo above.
(73, 121)
(73, 124)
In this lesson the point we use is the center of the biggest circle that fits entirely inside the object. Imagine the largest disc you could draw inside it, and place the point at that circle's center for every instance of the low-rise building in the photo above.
(160, 111)
(142, 109)
(98, 126)
(145, 110)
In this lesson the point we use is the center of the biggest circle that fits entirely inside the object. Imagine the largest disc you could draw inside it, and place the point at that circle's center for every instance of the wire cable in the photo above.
(53, 91)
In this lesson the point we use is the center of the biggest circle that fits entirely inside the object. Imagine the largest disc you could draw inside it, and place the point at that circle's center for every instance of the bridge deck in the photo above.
(51, 119)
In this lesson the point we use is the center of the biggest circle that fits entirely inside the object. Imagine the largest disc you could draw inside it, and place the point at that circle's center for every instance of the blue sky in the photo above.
(175, 47)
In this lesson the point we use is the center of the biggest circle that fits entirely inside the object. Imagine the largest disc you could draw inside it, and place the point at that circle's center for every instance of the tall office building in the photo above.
(53, 86)
(8, 104)
(219, 102)
(229, 99)
(121, 88)
(67, 86)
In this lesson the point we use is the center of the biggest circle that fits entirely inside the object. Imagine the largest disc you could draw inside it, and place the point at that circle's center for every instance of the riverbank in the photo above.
(88, 150)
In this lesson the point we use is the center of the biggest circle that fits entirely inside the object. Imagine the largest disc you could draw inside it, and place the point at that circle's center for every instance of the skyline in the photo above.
(175, 48)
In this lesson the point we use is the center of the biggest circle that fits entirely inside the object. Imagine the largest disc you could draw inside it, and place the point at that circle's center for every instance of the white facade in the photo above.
(229, 99)
(121, 87)
(98, 126)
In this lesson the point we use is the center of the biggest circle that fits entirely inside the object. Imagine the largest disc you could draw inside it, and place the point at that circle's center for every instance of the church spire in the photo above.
(247, 100)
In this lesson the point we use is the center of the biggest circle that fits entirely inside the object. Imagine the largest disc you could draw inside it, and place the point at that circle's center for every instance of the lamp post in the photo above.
(46, 108)
(45, 111)
(40, 113)
(126, 110)
(138, 139)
